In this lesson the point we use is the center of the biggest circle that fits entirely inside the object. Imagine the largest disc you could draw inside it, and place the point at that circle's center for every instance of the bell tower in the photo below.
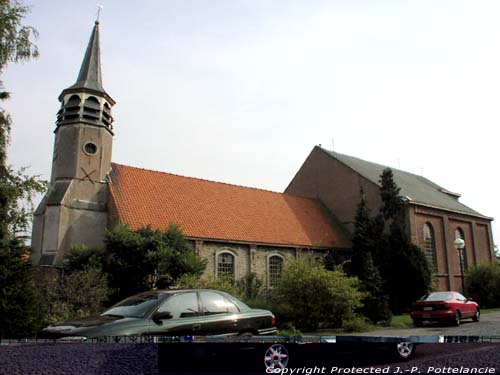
(74, 210)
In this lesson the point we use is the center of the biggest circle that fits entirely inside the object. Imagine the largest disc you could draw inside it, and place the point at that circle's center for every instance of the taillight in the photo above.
(273, 320)
(443, 306)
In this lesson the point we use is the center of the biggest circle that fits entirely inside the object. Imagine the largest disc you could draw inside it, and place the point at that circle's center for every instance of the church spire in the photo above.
(90, 71)
(86, 101)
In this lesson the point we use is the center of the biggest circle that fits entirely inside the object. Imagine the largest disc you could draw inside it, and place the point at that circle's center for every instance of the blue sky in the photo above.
(240, 91)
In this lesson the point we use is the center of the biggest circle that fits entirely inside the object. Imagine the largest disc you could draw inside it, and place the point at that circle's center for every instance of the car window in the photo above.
(439, 296)
(134, 307)
(231, 307)
(184, 305)
(215, 303)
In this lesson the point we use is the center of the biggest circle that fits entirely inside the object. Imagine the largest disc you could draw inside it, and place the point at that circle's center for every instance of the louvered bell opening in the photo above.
(91, 109)
(59, 116)
(107, 119)
(92, 103)
(73, 102)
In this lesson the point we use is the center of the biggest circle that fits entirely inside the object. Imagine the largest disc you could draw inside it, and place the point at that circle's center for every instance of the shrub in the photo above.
(483, 284)
(356, 324)
(72, 295)
(308, 295)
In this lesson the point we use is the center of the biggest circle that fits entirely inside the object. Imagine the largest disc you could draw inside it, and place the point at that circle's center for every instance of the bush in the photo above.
(483, 284)
(77, 294)
(356, 324)
(307, 295)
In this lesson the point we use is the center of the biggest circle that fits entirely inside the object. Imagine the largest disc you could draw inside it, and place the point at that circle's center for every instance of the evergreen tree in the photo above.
(365, 242)
(18, 310)
(403, 265)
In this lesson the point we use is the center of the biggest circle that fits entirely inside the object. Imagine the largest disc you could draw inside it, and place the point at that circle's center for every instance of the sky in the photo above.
(240, 91)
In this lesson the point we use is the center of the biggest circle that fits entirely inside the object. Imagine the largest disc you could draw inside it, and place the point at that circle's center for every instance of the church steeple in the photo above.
(90, 72)
(75, 208)
(86, 100)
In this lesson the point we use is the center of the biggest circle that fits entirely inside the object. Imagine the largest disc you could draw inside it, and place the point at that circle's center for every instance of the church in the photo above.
(239, 230)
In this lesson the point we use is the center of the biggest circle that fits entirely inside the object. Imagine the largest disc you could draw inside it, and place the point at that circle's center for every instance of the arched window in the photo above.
(274, 268)
(459, 233)
(225, 264)
(430, 246)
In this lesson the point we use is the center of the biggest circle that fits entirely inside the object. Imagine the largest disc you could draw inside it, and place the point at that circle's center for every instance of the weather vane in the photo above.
(99, 7)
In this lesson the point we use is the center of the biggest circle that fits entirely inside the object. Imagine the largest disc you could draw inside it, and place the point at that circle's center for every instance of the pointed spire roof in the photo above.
(89, 78)
(90, 72)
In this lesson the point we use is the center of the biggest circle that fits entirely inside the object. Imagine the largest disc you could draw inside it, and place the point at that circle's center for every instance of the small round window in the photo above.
(90, 148)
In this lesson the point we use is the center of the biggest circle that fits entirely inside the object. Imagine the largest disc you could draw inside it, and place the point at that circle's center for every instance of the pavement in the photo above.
(489, 325)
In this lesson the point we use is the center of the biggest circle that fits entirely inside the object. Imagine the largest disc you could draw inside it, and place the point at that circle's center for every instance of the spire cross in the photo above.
(99, 7)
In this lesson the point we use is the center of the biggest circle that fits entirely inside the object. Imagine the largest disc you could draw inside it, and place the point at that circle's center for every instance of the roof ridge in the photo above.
(212, 181)
(382, 165)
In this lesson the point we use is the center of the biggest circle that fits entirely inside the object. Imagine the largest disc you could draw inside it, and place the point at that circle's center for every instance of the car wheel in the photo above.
(417, 322)
(405, 350)
(276, 357)
(456, 319)
(476, 316)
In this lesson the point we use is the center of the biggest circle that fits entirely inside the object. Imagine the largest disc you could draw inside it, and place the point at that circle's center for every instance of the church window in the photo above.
(90, 148)
(459, 233)
(275, 268)
(430, 246)
(225, 264)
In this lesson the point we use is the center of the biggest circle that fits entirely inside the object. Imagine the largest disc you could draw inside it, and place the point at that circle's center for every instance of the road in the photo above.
(488, 326)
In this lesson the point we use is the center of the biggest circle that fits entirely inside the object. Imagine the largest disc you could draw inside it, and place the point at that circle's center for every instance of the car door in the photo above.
(467, 308)
(185, 317)
(220, 316)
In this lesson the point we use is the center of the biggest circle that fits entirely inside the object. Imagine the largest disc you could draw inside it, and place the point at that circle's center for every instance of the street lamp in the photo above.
(460, 245)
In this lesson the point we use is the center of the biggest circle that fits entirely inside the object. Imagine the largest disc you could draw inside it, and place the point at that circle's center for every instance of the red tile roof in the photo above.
(219, 211)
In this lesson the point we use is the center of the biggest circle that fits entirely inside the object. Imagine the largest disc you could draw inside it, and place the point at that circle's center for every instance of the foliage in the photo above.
(251, 286)
(398, 259)
(135, 261)
(307, 295)
(71, 295)
(356, 324)
(366, 237)
(16, 40)
(483, 284)
(19, 316)
(18, 300)
(80, 257)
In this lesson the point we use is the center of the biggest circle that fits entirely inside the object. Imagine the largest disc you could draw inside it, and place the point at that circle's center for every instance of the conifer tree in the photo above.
(365, 241)
(403, 265)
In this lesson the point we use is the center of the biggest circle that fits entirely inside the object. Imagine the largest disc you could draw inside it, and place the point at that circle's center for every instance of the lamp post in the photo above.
(460, 245)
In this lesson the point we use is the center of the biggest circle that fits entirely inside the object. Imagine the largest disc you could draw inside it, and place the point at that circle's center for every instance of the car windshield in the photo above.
(134, 307)
(440, 296)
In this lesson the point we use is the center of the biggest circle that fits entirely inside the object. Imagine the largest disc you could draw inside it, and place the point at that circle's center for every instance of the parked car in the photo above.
(171, 313)
(444, 306)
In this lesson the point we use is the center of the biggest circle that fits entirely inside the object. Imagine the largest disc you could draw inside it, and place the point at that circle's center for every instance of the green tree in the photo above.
(17, 294)
(365, 242)
(308, 295)
(483, 284)
(65, 295)
(399, 259)
(139, 260)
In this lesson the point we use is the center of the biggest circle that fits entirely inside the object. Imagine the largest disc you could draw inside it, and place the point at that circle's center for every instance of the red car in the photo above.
(444, 306)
